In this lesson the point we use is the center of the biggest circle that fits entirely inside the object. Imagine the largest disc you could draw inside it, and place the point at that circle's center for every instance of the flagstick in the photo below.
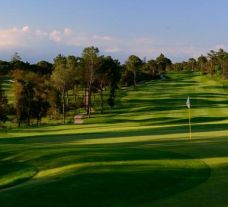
(190, 125)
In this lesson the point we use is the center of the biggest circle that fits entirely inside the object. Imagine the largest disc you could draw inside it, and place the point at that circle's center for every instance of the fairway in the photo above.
(138, 154)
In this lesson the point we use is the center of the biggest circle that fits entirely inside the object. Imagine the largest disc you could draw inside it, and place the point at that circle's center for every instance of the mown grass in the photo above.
(15, 173)
(139, 154)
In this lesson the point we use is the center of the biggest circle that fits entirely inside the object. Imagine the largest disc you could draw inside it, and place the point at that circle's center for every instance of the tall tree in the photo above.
(192, 62)
(114, 77)
(91, 62)
(24, 82)
(108, 75)
(222, 57)
(134, 64)
(62, 79)
(151, 69)
(163, 62)
(202, 60)
(73, 65)
(44, 68)
(40, 103)
(212, 57)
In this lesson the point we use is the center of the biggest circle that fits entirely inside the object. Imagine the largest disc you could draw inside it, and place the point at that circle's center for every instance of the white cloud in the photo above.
(25, 29)
(142, 46)
(85, 40)
(55, 36)
(68, 31)
(152, 47)
(10, 37)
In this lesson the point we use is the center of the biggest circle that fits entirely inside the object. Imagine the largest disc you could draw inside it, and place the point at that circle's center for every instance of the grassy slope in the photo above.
(139, 155)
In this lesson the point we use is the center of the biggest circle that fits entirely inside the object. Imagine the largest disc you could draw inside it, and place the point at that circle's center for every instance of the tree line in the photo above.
(215, 63)
(42, 89)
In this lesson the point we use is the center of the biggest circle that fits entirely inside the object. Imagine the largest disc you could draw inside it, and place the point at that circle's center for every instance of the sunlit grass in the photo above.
(138, 154)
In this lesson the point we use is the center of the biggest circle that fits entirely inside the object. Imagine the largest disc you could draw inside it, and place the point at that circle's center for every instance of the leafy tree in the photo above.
(102, 80)
(134, 64)
(163, 63)
(40, 103)
(73, 65)
(90, 64)
(31, 94)
(212, 59)
(23, 92)
(202, 60)
(108, 75)
(178, 66)
(115, 76)
(54, 100)
(151, 69)
(222, 58)
(126, 76)
(192, 62)
(44, 68)
(62, 79)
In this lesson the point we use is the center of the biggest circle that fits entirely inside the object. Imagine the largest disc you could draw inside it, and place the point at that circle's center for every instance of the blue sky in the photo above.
(41, 29)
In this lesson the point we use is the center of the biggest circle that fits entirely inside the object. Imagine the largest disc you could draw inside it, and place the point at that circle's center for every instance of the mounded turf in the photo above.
(15, 173)
(138, 155)
(118, 177)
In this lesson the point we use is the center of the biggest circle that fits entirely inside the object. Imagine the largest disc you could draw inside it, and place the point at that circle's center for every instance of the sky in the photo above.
(42, 29)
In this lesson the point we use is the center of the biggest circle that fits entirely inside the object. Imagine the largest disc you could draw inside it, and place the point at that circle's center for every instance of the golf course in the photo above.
(137, 154)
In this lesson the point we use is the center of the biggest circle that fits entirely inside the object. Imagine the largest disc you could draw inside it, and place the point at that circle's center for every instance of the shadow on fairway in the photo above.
(113, 177)
(14, 173)
(65, 138)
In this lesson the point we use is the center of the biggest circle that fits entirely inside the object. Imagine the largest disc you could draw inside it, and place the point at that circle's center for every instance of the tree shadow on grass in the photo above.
(76, 137)
(126, 178)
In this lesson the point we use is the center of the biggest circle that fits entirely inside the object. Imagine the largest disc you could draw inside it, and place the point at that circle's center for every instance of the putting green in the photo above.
(129, 177)
(12, 173)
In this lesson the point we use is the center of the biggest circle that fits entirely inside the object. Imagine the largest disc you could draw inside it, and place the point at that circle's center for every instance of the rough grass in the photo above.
(137, 155)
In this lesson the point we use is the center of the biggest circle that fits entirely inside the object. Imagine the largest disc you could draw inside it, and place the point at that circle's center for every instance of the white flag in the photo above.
(188, 103)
